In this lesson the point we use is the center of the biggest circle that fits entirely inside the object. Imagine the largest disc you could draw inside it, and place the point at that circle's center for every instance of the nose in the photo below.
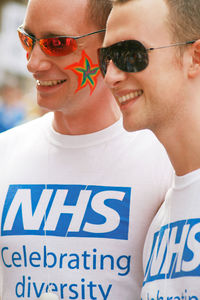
(114, 75)
(38, 61)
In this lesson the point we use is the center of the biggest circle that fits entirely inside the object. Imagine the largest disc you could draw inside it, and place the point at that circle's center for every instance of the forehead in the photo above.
(56, 16)
(144, 20)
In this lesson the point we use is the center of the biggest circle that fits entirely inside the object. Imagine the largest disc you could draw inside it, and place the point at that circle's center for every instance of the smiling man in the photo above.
(56, 84)
(77, 191)
(151, 62)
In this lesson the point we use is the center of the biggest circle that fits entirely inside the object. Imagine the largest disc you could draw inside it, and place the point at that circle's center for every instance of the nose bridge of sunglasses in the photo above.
(112, 58)
(111, 69)
(37, 47)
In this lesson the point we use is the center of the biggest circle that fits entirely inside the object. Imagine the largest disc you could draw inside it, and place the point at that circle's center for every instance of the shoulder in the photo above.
(145, 141)
(23, 133)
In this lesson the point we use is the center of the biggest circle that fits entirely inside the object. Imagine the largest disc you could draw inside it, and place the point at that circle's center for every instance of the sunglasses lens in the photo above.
(26, 41)
(129, 56)
(103, 59)
(58, 46)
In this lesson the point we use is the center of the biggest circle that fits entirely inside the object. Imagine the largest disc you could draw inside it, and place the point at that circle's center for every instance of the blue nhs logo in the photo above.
(67, 210)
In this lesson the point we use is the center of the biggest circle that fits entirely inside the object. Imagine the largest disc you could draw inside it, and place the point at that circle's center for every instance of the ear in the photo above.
(194, 68)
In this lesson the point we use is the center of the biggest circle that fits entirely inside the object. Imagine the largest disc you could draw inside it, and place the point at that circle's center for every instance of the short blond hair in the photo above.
(183, 18)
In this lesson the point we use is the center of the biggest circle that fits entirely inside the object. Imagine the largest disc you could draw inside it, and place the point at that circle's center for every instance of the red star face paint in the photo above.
(86, 71)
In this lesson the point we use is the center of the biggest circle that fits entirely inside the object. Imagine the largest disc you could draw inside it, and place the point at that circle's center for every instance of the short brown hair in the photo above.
(184, 19)
(98, 12)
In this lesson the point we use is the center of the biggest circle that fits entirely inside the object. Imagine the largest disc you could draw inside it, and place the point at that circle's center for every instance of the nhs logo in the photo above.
(175, 251)
(67, 210)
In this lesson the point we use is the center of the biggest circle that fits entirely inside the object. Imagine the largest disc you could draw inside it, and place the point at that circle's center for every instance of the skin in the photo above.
(74, 113)
(170, 100)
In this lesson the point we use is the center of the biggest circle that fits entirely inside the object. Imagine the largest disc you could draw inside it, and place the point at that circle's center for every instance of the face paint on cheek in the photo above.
(86, 71)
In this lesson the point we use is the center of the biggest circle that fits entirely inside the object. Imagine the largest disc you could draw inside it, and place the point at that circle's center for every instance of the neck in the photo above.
(182, 143)
(99, 112)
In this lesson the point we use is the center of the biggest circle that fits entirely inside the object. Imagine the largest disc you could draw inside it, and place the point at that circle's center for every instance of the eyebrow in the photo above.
(44, 34)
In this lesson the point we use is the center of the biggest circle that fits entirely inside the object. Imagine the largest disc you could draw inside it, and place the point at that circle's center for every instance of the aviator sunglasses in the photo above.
(129, 56)
(52, 46)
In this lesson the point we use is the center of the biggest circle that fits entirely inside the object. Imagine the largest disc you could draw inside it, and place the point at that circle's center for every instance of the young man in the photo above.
(77, 191)
(151, 62)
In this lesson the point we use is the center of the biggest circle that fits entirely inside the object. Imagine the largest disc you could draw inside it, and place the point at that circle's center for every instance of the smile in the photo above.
(129, 96)
(49, 82)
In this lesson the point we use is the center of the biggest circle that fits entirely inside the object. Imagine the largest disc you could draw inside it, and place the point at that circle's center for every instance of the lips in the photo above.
(129, 96)
(49, 82)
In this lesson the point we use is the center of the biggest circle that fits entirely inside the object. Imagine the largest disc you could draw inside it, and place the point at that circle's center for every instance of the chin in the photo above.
(131, 126)
(128, 126)
(48, 103)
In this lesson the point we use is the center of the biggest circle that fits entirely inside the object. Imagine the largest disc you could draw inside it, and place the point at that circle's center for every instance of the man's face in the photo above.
(59, 87)
(148, 98)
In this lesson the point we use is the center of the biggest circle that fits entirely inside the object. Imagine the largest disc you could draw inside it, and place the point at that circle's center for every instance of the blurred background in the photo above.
(17, 88)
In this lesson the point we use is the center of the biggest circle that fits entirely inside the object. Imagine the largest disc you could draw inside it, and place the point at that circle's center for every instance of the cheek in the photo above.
(87, 72)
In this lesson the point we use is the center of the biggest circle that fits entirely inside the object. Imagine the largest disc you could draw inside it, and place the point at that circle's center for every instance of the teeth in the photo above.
(130, 96)
(50, 82)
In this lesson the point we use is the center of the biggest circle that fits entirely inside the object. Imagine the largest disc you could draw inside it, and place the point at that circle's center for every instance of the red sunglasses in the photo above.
(52, 46)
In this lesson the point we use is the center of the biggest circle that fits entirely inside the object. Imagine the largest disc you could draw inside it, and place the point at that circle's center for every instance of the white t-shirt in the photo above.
(75, 210)
(172, 246)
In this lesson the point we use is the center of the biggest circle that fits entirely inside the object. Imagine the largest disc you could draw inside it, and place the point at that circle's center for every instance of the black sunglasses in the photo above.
(129, 56)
